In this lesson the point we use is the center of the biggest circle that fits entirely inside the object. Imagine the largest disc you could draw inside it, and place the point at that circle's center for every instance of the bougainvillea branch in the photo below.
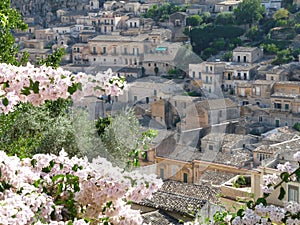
(38, 84)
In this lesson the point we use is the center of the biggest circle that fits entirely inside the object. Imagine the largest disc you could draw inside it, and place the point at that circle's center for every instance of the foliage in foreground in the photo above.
(50, 189)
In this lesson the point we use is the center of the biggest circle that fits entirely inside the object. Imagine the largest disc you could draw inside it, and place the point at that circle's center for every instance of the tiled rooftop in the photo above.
(181, 197)
(214, 104)
(159, 217)
(216, 178)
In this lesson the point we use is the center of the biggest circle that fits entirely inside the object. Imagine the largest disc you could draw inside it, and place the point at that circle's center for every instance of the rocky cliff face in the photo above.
(44, 11)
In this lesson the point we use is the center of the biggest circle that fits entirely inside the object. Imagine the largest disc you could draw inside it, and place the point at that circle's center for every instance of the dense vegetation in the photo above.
(250, 23)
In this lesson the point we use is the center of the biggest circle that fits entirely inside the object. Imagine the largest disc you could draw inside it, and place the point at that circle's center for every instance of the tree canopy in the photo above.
(249, 11)
(10, 19)
(281, 14)
(194, 20)
(225, 18)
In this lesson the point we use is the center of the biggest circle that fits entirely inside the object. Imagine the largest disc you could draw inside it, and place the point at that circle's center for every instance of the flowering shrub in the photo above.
(50, 189)
(38, 84)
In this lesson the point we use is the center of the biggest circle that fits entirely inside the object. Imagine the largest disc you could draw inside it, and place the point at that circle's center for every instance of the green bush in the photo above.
(203, 36)
(227, 56)
(297, 126)
(240, 181)
(270, 48)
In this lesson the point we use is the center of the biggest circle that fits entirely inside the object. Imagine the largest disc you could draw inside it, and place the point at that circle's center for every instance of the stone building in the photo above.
(226, 6)
(116, 50)
(208, 112)
(291, 188)
(210, 73)
(247, 54)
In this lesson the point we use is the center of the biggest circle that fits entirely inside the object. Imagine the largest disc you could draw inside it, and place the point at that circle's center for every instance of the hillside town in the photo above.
(225, 116)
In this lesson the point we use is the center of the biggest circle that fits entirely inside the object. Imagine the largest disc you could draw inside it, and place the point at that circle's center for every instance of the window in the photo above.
(145, 155)
(245, 59)
(293, 193)
(211, 147)
(175, 104)
(220, 113)
(260, 119)
(261, 156)
(185, 177)
(257, 91)
(155, 92)
(135, 51)
(125, 50)
(272, 78)
(277, 123)
(199, 75)
(194, 73)
(104, 50)
(277, 105)
(239, 58)
(286, 106)
(94, 50)
(161, 173)
(135, 98)
(115, 50)
(206, 79)
(210, 79)
(115, 61)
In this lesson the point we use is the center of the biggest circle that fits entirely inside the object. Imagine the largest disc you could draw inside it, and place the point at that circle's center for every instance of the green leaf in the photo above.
(25, 91)
(76, 187)
(240, 212)
(75, 167)
(35, 87)
(261, 200)
(285, 176)
(59, 189)
(33, 162)
(5, 101)
(282, 193)
(56, 177)
(250, 204)
(72, 89)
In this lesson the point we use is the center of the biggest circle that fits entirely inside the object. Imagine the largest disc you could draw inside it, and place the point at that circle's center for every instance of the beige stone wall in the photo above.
(243, 91)
(196, 118)
(287, 88)
(116, 53)
(247, 57)
(174, 170)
